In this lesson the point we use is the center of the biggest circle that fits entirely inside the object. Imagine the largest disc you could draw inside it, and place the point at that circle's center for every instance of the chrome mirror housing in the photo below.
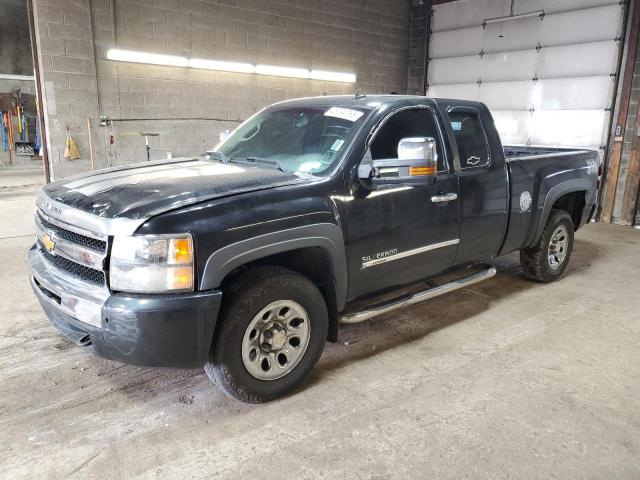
(415, 165)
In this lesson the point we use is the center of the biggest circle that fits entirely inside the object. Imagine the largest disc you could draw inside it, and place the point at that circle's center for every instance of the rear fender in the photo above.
(554, 193)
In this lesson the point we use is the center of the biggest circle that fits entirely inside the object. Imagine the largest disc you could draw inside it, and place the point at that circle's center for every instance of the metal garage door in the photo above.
(548, 78)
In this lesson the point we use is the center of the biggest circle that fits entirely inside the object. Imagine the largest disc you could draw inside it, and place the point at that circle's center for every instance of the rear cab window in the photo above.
(471, 138)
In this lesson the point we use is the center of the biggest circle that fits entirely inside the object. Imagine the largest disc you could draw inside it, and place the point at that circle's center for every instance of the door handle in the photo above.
(473, 160)
(446, 197)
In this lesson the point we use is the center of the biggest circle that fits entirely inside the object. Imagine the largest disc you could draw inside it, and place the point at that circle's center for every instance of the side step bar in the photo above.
(363, 315)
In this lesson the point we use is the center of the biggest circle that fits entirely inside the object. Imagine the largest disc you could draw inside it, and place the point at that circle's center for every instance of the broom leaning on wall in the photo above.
(71, 151)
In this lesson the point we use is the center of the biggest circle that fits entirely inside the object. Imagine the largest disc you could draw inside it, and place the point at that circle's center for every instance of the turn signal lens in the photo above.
(180, 278)
(419, 171)
(180, 250)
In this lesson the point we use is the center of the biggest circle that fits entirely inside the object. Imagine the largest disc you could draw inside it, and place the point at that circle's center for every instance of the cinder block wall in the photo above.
(15, 53)
(369, 38)
(11, 85)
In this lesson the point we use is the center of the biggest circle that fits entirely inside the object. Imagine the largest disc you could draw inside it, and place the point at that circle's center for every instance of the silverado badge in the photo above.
(48, 242)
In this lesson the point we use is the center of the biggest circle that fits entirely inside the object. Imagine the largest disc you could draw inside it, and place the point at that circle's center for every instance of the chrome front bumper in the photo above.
(79, 300)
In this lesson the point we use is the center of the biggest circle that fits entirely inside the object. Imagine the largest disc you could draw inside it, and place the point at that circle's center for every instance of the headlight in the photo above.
(152, 263)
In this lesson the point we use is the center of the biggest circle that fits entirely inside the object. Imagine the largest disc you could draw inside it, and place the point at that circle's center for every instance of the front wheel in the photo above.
(547, 260)
(273, 331)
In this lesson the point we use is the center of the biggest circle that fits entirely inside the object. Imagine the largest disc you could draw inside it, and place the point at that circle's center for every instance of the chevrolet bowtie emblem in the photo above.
(48, 243)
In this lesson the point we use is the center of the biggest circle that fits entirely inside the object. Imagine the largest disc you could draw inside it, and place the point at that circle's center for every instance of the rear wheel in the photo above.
(548, 259)
(273, 331)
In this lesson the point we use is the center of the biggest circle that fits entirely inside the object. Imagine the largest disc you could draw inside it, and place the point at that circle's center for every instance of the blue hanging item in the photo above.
(37, 143)
(5, 136)
(24, 135)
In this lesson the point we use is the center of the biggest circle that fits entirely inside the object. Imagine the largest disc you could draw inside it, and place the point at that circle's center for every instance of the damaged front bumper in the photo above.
(160, 330)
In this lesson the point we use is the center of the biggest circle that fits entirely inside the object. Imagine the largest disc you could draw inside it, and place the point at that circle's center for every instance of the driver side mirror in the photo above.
(415, 165)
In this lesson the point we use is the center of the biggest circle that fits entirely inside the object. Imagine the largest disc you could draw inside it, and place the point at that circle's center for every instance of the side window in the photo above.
(471, 139)
(418, 122)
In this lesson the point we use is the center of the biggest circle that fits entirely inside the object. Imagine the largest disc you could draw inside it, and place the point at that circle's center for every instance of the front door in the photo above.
(400, 234)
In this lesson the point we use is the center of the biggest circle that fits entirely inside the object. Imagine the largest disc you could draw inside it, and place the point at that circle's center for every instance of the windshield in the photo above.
(295, 139)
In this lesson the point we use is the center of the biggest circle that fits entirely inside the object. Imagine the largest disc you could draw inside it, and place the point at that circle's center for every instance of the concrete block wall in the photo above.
(12, 85)
(15, 49)
(369, 38)
(64, 42)
(418, 48)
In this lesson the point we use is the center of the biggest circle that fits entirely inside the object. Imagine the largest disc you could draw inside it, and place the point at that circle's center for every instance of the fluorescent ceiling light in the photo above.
(333, 76)
(282, 71)
(16, 77)
(143, 57)
(220, 65)
(518, 16)
(224, 66)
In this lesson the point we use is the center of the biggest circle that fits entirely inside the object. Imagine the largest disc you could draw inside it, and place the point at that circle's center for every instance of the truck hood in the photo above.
(143, 190)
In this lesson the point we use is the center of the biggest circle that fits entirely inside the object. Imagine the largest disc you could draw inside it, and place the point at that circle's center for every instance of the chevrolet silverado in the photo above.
(312, 213)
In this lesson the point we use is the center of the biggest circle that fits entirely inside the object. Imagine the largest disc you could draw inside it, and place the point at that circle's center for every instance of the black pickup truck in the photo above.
(312, 212)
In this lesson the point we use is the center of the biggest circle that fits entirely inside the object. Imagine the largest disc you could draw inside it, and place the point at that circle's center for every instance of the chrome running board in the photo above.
(363, 315)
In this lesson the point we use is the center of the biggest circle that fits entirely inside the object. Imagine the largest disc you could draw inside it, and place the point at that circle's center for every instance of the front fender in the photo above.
(327, 236)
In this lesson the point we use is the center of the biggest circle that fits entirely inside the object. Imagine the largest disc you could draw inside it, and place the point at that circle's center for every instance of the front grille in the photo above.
(73, 237)
(83, 273)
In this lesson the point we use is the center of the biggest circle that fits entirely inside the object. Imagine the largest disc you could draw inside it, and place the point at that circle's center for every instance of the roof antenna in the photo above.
(359, 95)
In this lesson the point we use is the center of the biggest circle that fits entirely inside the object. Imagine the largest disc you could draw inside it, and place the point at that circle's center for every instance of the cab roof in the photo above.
(373, 101)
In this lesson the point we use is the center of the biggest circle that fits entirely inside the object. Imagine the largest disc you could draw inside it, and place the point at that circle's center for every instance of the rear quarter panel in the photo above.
(545, 178)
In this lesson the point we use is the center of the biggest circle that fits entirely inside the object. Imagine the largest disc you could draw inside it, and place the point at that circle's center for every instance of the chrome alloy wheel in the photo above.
(558, 247)
(275, 340)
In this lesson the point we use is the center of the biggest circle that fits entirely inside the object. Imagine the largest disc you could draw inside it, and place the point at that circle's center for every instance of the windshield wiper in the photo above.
(258, 160)
(219, 156)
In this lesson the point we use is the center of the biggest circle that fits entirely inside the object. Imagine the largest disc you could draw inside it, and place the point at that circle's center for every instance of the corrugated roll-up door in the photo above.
(548, 79)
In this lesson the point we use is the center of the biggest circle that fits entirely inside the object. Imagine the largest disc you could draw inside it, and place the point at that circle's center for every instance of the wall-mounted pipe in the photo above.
(105, 120)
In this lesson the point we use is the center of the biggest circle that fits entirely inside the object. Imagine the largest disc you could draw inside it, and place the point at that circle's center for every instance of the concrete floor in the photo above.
(18, 187)
(508, 379)
(23, 177)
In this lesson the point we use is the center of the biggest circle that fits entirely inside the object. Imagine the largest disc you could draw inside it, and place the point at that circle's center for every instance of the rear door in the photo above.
(483, 184)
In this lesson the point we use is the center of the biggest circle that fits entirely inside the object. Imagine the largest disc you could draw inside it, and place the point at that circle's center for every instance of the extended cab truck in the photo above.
(311, 212)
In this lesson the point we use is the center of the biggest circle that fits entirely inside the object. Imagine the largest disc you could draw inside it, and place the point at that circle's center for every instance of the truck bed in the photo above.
(533, 187)
(520, 152)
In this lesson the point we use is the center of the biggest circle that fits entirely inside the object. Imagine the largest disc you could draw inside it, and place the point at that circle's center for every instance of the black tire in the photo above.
(249, 294)
(535, 260)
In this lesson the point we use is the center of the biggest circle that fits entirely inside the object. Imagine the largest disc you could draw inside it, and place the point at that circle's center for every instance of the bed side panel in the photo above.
(544, 179)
